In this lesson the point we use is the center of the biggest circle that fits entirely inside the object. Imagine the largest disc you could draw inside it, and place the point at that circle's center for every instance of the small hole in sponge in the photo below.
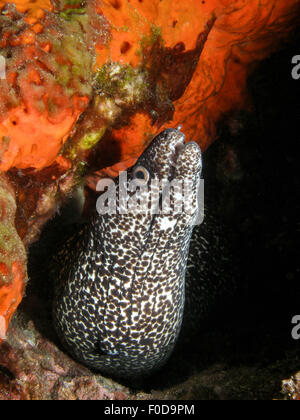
(125, 47)
(116, 4)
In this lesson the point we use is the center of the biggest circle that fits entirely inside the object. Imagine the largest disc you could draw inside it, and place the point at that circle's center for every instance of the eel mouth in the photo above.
(176, 149)
(179, 148)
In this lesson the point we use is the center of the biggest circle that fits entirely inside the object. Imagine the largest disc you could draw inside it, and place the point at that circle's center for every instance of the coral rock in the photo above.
(13, 260)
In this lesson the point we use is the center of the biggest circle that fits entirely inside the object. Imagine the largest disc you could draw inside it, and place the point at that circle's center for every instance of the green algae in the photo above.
(114, 85)
(89, 140)
(69, 14)
(86, 142)
(6, 237)
(123, 82)
(77, 72)
(148, 42)
(11, 246)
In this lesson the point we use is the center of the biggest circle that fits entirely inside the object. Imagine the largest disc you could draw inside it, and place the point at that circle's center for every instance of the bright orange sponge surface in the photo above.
(243, 32)
(199, 53)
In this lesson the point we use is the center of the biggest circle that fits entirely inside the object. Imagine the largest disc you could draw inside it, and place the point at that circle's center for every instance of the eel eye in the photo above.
(141, 175)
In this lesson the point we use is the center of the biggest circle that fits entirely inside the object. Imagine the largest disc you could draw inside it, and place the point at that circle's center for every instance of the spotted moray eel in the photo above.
(120, 301)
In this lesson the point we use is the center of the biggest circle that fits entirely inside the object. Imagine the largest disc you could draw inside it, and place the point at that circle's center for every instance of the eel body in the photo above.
(120, 300)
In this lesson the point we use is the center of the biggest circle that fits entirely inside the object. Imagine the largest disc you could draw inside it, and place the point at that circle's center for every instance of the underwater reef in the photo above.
(87, 86)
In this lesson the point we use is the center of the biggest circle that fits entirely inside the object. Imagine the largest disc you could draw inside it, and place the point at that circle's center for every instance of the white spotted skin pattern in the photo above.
(119, 305)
